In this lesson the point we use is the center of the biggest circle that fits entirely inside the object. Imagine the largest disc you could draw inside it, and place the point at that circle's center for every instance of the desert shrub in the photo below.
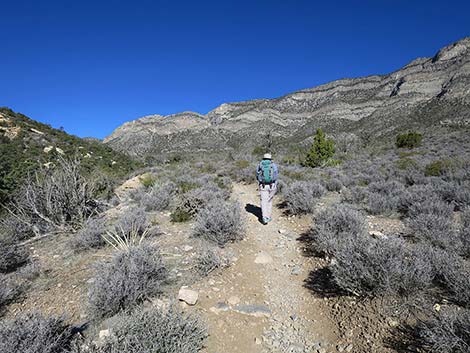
(406, 164)
(191, 202)
(56, 198)
(409, 140)
(321, 151)
(90, 236)
(34, 333)
(431, 221)
(448, 332)
(245, 175)
(383, 196)
(456, 193)
(242, 164)
(453, 273)
(208, 260)
(15, 229)
(355, 194)
(371, 267)
(465, 233)
(301, 196)
(220, 222)
(134, 219)
(12, 256)
(333, 225)
(128, 279)
(416, 195)
(437, 168)
(334, 184)
(180, 215)
(158, 198)
(185, 183)
(9, 291)
(166, 330)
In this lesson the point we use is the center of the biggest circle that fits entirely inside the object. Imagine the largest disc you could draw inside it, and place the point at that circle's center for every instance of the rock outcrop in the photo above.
(421, 94)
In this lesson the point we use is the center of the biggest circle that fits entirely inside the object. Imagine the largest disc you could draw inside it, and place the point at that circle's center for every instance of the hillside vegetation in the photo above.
(26, 145)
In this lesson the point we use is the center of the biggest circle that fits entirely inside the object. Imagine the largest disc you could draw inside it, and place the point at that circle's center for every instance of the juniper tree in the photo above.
(321, 151)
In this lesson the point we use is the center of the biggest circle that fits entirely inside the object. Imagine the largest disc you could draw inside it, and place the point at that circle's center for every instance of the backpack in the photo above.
(267, 172)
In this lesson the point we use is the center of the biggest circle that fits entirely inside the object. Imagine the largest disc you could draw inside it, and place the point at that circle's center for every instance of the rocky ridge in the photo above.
(421, 94)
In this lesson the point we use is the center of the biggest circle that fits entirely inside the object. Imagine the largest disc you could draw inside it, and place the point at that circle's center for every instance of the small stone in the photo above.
(377, 234)
(188, 296)
(392, 322)
(187, 248)
(349, 348)
(282, 231)
(219, 307)
(253, 310)
(257, 340)
(437, 307)
(233, 300)
(104, 333)
(296, 271)
(321, 350)
(263, 258)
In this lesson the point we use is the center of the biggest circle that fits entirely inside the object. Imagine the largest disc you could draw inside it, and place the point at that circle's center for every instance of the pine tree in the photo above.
(322, 149)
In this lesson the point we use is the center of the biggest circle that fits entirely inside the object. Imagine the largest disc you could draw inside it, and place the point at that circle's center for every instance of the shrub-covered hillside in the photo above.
(26, 144)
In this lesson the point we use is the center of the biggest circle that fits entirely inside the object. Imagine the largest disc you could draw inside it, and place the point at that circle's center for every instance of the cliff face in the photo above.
(421, 94)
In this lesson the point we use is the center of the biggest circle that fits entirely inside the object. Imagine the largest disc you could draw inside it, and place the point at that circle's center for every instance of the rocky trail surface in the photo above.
(260, 303)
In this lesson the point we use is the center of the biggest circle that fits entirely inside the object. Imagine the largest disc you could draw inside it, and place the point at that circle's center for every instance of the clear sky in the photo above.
(89, 66)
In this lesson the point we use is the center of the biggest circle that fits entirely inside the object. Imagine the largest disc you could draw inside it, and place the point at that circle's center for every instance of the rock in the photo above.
(187, 248)
(263, 258)
(392, 322)
(296, 271)
(104, 333)
(257, 340)
(349, 348)
(233, 300)
(377, 234)
(282, 231)
(437, 307)
(253, 310)
(188, 296)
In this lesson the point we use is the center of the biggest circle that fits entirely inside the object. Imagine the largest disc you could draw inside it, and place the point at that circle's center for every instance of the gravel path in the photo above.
(260, 304)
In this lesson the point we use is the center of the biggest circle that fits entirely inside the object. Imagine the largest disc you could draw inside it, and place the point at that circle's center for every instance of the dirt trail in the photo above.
(259, 303)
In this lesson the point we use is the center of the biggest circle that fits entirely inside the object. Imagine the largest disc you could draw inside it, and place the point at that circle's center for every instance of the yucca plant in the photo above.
(124, 239)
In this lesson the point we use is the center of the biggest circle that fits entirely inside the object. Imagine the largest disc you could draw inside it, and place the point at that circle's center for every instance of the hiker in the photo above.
(266, 174)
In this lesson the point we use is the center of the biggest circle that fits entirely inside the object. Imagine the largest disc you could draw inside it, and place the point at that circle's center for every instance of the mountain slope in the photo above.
(26, 144)
(421, 94)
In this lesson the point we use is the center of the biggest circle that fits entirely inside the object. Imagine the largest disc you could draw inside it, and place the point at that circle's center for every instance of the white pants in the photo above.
(267, 193)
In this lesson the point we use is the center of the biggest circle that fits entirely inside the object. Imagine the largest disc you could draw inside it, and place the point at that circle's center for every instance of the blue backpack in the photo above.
(267, 172)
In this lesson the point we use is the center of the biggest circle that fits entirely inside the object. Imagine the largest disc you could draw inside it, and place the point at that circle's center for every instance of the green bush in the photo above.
(437, 168)
(180, 215)
(409, 140)
(406, 163)
(321, 151)
(147, 180)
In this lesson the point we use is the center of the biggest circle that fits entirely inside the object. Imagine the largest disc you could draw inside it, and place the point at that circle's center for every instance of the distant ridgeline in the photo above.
(418, 96)
(26, 145)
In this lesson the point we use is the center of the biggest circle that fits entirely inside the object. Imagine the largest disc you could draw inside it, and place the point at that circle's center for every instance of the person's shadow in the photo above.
(254, 210)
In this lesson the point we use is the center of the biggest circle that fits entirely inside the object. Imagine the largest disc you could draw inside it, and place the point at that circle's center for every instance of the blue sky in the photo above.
(89, 66)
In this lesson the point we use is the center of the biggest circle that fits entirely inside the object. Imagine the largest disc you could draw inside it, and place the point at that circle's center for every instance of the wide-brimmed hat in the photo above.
(267, 156)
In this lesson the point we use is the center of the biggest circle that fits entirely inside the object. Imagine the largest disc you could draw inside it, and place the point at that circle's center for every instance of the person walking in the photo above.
(266, 174)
